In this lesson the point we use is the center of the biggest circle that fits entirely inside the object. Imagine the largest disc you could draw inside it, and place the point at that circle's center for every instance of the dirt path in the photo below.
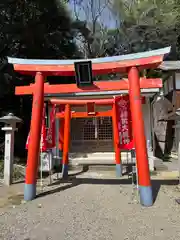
(94, 206)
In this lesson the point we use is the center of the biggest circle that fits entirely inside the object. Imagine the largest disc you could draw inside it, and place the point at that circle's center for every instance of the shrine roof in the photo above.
(148, 59)
(170, 65)
(147, 54)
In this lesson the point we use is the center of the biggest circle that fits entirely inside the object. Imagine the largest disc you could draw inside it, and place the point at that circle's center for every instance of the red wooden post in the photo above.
(145, 188)
(35, 136)
(66, 140)
(61, 139)
(61, 133)
(116, 140)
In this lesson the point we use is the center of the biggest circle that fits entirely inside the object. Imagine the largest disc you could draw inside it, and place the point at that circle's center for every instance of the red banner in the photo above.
(43, 142)
(51, 130)
(124, 122)
(47, 134)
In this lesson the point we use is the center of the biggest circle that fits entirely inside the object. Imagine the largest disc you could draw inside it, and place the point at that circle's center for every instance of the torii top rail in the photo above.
(145, 60)
(130, 64)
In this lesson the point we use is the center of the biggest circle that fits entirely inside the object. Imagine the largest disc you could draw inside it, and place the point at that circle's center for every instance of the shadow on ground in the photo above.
(74, 181)
(157, 183)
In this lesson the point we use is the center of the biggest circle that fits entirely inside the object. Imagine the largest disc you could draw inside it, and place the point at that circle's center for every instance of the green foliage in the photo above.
(17, 172)
(35, 29)
(93, 33)
(147, 24)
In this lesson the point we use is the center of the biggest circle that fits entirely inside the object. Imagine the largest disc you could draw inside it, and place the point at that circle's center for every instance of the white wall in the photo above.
(147, 125)
(177, 80)
(147, 120)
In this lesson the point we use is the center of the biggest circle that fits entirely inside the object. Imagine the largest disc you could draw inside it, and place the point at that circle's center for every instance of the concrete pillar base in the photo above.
(65, 171)
(146, 197)
(118, 170)
(29, 192)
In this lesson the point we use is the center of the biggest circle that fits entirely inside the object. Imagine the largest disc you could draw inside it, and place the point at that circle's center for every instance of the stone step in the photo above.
(98, 155)
(97, 158)
(103, 159)
(96, 162)
(100, 168)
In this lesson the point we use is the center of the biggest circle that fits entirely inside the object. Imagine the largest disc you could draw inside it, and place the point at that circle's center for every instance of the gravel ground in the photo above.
(94, 209)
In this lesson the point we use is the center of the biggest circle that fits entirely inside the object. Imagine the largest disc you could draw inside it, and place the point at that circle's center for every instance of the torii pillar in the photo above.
(35, 136)
(144, 183)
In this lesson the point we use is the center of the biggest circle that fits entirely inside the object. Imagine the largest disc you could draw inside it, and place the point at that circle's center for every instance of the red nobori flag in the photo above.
(124, 122)
(50, 138)
(43, 144)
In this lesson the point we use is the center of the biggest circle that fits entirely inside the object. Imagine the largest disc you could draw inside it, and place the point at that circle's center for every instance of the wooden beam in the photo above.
(81, 101)
(98, 86)
(97, 69)
(85, 114)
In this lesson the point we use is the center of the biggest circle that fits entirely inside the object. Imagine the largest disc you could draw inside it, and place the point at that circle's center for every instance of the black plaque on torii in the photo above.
(83, 73)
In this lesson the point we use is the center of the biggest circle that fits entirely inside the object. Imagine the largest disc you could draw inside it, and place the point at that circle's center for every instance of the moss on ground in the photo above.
(17, 172)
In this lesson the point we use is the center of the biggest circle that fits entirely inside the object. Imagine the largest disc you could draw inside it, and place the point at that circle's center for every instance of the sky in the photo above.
(83, 11)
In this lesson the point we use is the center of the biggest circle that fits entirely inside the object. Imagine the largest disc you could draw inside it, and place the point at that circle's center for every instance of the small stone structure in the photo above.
(10, 127)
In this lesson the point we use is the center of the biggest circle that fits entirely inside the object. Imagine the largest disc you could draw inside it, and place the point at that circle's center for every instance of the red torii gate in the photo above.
(130, 64)
(66, 115)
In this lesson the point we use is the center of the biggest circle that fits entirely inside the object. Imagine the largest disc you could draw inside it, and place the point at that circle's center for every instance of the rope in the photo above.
(41, 165)
(50, 172)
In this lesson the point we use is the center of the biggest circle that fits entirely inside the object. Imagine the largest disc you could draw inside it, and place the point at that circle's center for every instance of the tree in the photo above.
(146, 24)
(93, 32)
(31, 29)
(34, 29)
(37, 29)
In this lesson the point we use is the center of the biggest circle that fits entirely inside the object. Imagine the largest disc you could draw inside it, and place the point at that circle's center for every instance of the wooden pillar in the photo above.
(145, 188)
(67, 120)
(116, 140)
(35, 136)
(61, 134)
